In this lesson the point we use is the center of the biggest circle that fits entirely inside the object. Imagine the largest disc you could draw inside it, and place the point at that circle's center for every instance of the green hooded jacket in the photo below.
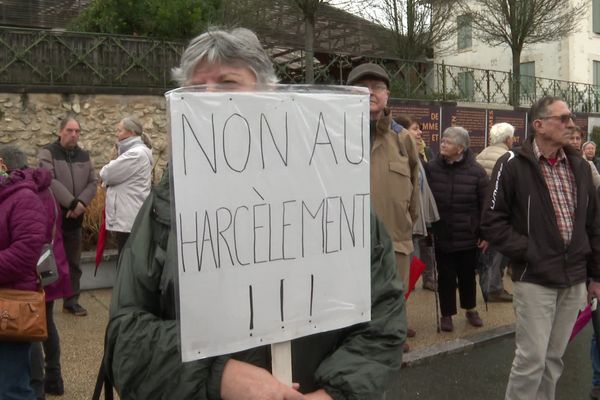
(143, 352)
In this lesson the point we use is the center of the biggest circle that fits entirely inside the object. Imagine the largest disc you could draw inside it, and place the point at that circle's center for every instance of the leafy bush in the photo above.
(173, 19)
(92, 219)
(595, 137)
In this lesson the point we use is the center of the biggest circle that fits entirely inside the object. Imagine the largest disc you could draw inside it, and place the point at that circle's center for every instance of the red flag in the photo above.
(416, 269)
(582, 320)
(101, 241)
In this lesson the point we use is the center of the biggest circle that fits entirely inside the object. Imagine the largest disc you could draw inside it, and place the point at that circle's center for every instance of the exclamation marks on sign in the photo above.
(281, 301)
(251, 309)
(312, 290)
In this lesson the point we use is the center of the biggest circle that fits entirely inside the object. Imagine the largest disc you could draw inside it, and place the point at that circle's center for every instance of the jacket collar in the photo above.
(527, 151)
(129, 143)
(382, 126)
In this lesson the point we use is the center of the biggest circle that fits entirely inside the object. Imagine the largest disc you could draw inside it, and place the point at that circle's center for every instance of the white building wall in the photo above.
(569, 59)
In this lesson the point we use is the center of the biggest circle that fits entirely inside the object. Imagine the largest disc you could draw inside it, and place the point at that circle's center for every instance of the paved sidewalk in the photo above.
(82, 337)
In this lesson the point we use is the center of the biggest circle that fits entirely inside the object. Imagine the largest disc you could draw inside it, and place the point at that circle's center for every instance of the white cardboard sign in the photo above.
(271, 210)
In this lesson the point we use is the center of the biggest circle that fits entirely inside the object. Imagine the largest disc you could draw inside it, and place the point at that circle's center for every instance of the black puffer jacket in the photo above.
(459, 191)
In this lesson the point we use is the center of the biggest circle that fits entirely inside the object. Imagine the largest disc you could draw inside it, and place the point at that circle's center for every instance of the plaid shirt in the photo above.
(561, 185)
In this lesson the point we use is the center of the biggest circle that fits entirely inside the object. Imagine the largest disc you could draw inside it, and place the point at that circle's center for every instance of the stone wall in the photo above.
(31, 121)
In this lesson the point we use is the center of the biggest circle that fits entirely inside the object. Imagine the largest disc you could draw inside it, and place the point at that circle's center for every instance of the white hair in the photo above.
(459, 134)
(588, 143)
(500, 132)
(235, 47)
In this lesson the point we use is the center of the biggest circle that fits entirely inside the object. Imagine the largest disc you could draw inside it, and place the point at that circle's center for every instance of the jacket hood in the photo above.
(162, 198)
(14, 182)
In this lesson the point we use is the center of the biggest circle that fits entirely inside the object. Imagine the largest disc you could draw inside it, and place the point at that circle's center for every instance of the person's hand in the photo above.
(320, 394)
(593, 291)
(243, 381)
(77, 211)
(483, 245)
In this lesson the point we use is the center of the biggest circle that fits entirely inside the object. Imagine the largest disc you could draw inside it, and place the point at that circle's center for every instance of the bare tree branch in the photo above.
(518, 23)
(418, 25)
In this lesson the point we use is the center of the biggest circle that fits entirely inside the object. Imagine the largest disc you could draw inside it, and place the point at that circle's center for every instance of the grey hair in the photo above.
(133, 125)
(500, 132)
(65, 120)
(459, 134)
(587, 144)
(237, 46)
(13, 157)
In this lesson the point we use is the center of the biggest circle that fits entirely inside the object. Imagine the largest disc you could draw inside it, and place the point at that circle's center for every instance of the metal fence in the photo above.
(66, 60)
(47, 58)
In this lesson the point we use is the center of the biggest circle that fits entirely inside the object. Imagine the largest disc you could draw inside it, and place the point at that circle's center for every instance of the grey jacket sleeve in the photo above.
(60, 191)
(90, 189)
(142, 349)
(372, 352)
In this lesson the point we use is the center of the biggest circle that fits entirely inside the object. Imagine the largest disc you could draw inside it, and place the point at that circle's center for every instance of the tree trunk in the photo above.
(309, 57)
(516, 77)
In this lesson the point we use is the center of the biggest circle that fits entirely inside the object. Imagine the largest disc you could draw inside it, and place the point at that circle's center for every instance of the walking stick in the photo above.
(435, 283)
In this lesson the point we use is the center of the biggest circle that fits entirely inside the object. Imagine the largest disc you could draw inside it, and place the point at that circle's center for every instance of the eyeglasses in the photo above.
(563, 118)
(375, 88)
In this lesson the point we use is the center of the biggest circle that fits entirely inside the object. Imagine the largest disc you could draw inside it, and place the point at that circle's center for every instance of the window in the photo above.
(466, 85)
(527, 79)
(596, 16)
(465, 32)
(596, 77)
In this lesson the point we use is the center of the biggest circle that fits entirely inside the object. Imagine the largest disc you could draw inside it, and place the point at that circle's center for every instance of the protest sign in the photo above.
(271, 210)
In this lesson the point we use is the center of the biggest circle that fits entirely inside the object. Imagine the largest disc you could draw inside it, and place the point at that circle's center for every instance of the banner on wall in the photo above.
(518, 119)
(473, 120)
(427, 114)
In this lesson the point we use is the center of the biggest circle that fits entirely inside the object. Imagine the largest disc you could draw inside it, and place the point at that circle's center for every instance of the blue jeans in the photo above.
(15, 371)
(595, 354)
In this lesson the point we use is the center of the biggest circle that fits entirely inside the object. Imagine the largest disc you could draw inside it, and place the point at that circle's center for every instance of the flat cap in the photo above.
(368, 70)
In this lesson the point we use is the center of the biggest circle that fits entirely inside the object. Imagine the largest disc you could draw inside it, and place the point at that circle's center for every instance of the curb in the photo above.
(89, 257)
(426, 354)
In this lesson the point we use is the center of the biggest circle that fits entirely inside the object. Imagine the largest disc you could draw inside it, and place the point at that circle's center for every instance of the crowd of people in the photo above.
(534, 208)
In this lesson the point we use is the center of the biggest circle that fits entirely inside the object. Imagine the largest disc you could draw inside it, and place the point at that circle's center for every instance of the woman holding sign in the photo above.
(143, 352)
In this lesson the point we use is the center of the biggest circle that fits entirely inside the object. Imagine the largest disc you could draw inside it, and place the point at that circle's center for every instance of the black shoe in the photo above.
(75, 309)
(55, 387)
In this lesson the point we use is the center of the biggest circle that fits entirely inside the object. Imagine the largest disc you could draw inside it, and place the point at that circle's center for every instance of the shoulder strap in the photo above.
(55, 214)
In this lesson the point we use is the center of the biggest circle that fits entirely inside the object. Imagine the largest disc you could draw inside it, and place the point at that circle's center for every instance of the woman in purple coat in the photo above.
(23, 224)
(16, 160)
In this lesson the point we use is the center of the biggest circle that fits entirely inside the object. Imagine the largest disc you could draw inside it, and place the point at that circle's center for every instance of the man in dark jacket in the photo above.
(543, 214)
(74, 186)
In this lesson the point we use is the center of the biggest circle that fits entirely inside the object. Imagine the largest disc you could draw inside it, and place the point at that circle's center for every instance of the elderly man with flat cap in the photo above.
(394, 167)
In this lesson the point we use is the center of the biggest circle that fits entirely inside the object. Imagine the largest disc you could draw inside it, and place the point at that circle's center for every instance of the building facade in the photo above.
(575, 58)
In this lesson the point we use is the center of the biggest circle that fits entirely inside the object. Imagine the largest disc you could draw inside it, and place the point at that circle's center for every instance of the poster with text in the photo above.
(518, 119)
(428, 115)
(272, 214)
(472, 119)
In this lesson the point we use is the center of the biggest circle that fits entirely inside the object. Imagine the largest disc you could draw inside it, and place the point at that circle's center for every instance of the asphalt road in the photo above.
(482, 373)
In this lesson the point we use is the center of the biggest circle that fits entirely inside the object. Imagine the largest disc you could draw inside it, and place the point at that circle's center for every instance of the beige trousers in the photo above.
(403, 266)
(544, 321)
